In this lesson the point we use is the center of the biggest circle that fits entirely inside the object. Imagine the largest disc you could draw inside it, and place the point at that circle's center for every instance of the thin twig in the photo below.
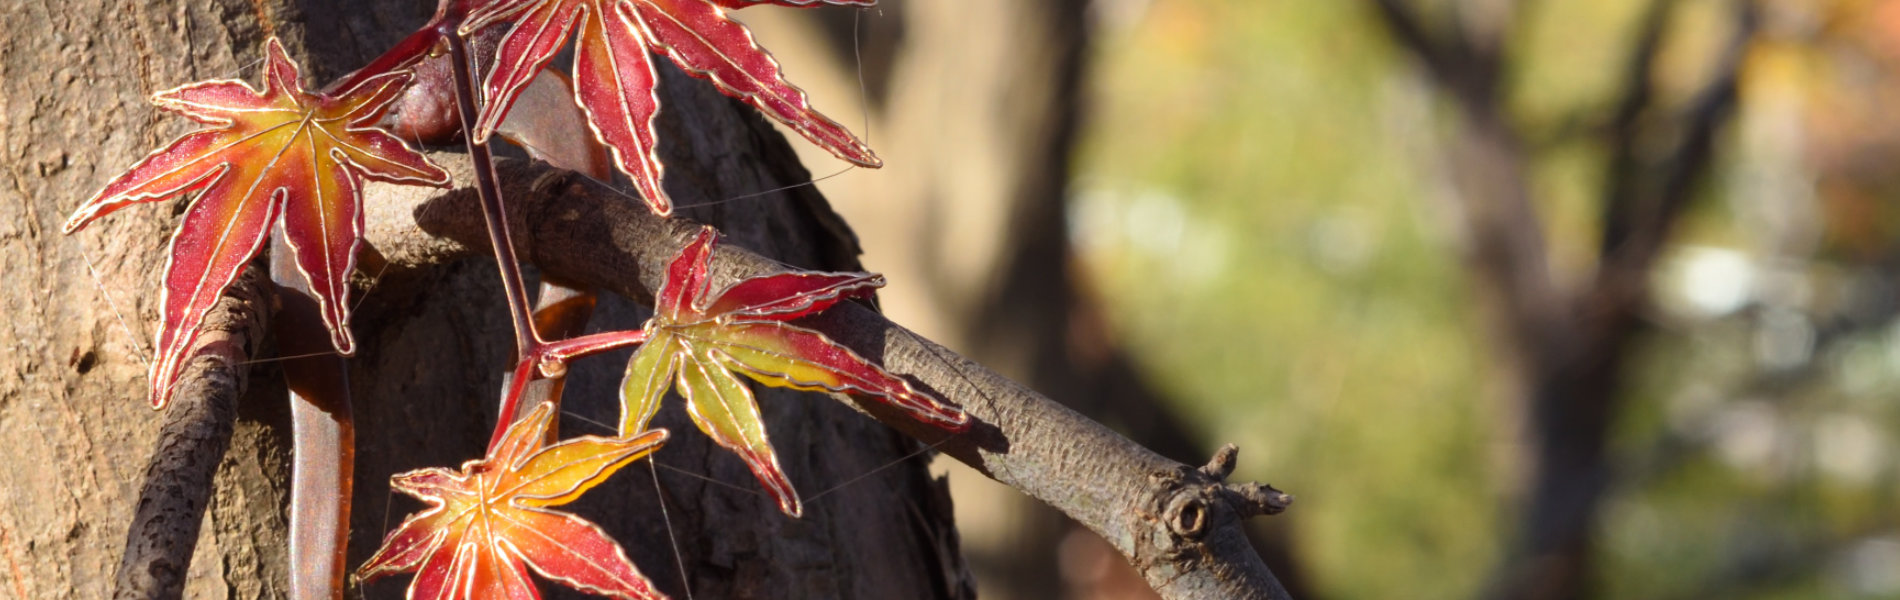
(197, 431)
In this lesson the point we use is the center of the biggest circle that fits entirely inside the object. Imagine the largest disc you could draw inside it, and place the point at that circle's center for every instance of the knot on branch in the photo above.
(1187, 515)
(1191, 506)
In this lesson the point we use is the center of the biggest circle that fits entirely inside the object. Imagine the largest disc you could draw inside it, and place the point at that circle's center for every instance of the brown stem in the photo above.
(418, 45)
(555, 355)
(197, 431)
(550, 359)
(493, 213)
(561, 311)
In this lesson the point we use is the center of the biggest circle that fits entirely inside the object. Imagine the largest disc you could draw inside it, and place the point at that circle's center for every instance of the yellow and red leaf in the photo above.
(280, 151)
(698, 340)
(614, 77)
(489, 523)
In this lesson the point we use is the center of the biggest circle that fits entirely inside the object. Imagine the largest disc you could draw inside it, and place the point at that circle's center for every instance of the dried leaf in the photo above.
(280, 151)
(489, 523)
(614, 77)
(699, 339)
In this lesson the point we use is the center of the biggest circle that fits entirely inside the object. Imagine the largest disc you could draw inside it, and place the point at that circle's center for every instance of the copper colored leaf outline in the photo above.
(502, 501)
(614, 76)
(697, 340)
(316, 193)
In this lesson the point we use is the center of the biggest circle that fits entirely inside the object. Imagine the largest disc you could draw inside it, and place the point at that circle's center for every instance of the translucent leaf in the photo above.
(614, 77)
(488, 524)
(281, 151)
(701, 339)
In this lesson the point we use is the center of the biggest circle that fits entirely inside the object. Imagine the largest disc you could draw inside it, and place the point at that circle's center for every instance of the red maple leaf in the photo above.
(699, 339)
(488, 523)
(614, 77)
(280, 151)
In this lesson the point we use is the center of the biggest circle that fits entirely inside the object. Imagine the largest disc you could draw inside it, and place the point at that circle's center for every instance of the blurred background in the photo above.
(1520, 299)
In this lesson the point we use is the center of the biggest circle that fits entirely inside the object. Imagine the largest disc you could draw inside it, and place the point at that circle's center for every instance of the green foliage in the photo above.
(1319, 302)
(1277, 240)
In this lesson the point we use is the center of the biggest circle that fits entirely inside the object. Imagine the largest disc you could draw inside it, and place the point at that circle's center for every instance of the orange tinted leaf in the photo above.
(487, 524)
(698, 339)
(281, 151)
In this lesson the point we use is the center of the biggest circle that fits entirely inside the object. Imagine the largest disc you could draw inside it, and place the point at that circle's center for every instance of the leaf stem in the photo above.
(531, 351)
(550, 360)
(493, 212)
(511, 400)
(418, 45)
(554, 355)
(409, 51)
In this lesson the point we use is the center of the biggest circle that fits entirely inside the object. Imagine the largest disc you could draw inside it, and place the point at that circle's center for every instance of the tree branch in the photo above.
(1489, 169)
(1468, 69)
(1179, 525)
(197, 431)
(1625, 132)
(1643, 203)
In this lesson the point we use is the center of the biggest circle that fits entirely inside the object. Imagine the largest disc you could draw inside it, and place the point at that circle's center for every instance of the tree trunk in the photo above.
(73, 84)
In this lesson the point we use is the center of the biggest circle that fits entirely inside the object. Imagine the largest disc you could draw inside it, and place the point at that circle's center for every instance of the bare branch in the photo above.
(1625, 128)
(1180, 526)
(197, 431)
(1469, 69)
(1643, 204)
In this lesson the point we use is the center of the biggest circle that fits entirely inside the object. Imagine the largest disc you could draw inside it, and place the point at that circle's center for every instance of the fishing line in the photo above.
(813, 499)
(857, 56)
(389, 495)
(753, 492)
(272, 359)
(415, 138)
(806, 183)
(138, 349)
(666, 517)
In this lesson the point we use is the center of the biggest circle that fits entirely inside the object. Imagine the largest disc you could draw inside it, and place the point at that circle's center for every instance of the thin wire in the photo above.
(813, 499)
(578, 417)
(678, 560)
(255, 361)
(373, 280)
(615, 430)
(730, 486)
(240, 69)
(857, 58)
(389, 495)
(138, 348)
(807, 183)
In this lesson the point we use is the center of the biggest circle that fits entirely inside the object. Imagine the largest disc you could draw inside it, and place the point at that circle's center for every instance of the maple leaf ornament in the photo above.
(697, 340)
(487, 524)
(280, 151)
(614, 78)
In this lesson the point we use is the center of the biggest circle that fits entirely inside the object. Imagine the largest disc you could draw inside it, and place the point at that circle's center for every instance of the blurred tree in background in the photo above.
(1522, 299)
